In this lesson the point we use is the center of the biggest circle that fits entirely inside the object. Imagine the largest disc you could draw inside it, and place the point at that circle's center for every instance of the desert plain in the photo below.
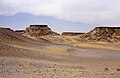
(58, 56)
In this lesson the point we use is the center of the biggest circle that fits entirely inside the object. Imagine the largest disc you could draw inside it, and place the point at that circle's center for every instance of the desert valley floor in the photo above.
(56, 57)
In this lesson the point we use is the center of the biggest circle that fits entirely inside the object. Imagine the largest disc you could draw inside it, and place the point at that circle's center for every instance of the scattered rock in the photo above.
(118, 69)
(54, 70)
(106, 69)
(112, 74)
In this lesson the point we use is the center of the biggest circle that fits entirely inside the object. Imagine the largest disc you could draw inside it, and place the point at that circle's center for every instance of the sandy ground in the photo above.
(56, 59)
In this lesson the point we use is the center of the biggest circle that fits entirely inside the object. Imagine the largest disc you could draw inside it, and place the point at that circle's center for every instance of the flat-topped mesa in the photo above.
(107, 27)
(1, 28)
(20, 31)
(38, 25)
(71, 33)
(39, 30)
(103, 34)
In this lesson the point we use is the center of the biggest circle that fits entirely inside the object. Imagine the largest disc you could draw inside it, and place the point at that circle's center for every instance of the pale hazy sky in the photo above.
(60, 15)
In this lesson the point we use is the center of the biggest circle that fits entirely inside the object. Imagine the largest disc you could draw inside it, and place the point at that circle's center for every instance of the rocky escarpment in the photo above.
(71, 33)
(39, 30)
(103, 34)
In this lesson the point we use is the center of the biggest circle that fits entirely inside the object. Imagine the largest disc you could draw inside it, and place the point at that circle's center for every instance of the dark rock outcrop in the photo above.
(103, 34)
(20, 31)
(39, 30)
(71, 33)
(3, 29)
(38, 25)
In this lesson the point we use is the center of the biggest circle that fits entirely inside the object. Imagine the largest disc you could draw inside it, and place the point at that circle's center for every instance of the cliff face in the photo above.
(39, 30)
(71, 33)
(104, 34)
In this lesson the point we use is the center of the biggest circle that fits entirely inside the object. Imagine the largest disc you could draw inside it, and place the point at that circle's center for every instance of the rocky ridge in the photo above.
(71, 33)
(103, 34)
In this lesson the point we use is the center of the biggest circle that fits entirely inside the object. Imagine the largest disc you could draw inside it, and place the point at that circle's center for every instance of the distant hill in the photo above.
(98, 34)
(103, 34)
(8, 35)
(71, 33)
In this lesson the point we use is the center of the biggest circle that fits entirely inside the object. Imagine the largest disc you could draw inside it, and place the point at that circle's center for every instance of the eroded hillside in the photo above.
(103, 34)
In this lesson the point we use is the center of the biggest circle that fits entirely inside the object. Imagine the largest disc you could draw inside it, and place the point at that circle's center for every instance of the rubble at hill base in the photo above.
(103, 34)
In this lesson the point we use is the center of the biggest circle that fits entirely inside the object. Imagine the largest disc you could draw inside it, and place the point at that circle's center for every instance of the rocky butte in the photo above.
(103, 34)
(39, 30)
